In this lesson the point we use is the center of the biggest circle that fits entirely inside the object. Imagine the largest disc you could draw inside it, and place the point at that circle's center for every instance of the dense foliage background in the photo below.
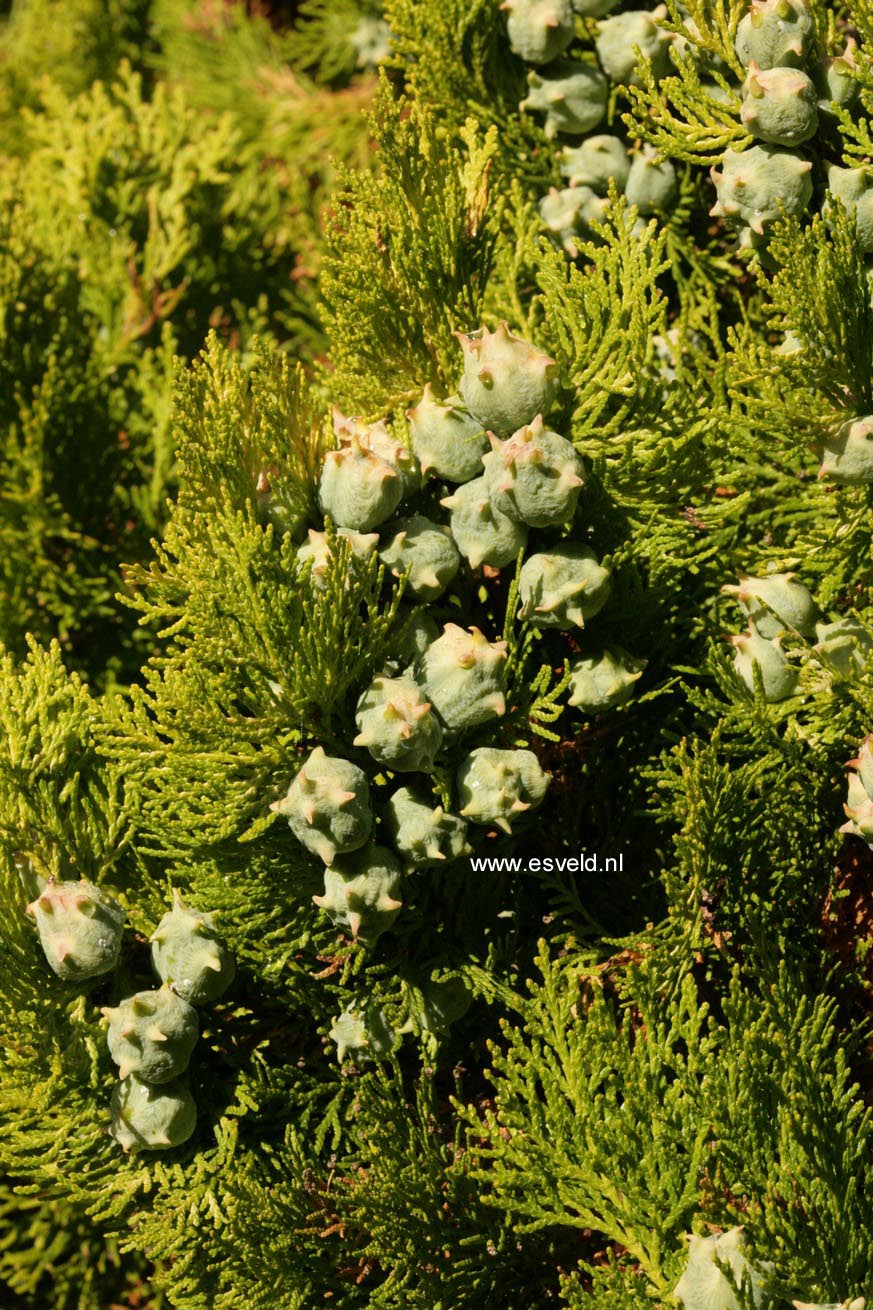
(226, 228)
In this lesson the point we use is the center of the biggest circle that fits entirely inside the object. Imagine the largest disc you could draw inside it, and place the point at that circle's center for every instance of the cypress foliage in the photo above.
(606, 1042)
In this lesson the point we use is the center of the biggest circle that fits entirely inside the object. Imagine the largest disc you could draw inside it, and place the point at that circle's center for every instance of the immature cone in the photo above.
(376, 438)
(147, 1118)
(753, 652)
(775, 34)
(397, 725)
(363, 1034)
(483, 533)
(600, 682)
(328, 806)
(759, 184)
(847, 457)
(152, 1034)
(859, 805)
(562, 588)
(446, 439)
(572, 95)
(417, 630)
(597, 162)
(617, 37)
(534, 477)
(776, 602)
(838, 87)
(506, 381)
(854, 187)
(539, 30)
(362, 892)
(427, 550)
(704, 1286)
(593, 212)
(425, 836)
(561, 214)
(462, 674)
(317, 549)
(497, 786)
(276, 507)
(651, 184)
(845, 645)
(780, 105)
(79, 929)
(187, 953)
(358, 489)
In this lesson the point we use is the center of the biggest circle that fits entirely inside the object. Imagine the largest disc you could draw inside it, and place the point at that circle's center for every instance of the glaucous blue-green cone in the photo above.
(397, 725)
(275, 506)
(751, 652)
(563, 587)
(757, 185)
(188, 954)
(496, 786)
(859, 811)
(651, 185)
(539, 30)
(358, 489)
(152, 1034)
(579, 204)
(534, 477)
(854, 187)
(571, 94)
(704, 1286)
(483, 533)
(317, 550)
(600, 682)
(506, 381)
(847, 457)
(376, 438)
(780, 105)
(79, 929)
(428, 550)
(328, 806)
(774, 603)
(846, 646)
(362, 892)
(836, 84)
(859, 805)
(775, 34)
(147, 1118)
(616, 38)
(418, 631)
(560, 212)
(863, 765)
(596, 162)
(424, 835)
(446, 439)
(363, 1034)
(462, 675)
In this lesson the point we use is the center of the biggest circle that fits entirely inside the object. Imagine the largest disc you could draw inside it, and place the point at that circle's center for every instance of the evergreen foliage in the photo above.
(457, 1065)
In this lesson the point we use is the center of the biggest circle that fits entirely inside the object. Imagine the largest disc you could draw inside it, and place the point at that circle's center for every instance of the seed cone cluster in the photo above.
(511, 477)
(152, 1034)
(779, 607)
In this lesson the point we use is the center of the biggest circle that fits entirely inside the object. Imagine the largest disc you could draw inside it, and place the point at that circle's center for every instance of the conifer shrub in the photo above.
(458, 892)
(136, 212)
